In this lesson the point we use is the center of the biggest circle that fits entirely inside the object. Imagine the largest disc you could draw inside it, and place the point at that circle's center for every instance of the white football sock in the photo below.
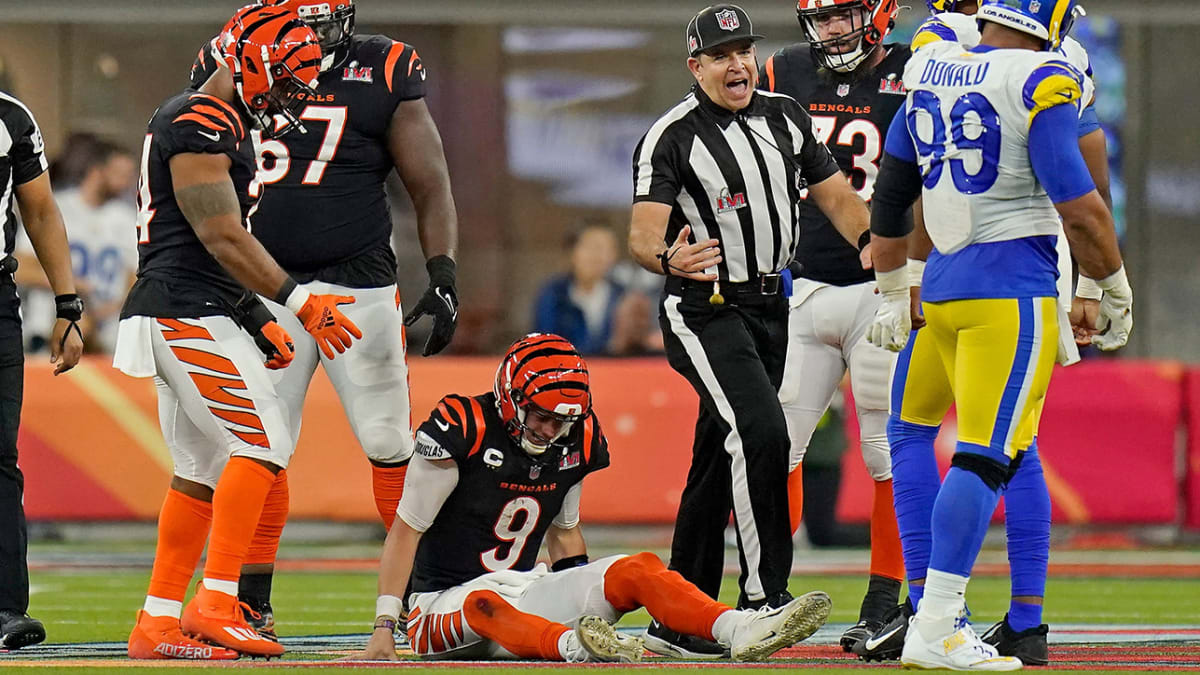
(162, 607)
(220, 586)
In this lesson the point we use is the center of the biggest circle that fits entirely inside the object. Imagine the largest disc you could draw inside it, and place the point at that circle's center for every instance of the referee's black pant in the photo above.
(733, 356)
(14, 573)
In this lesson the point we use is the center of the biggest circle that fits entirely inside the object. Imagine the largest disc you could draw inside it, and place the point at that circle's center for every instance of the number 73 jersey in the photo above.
(969, 115)
(505, 500)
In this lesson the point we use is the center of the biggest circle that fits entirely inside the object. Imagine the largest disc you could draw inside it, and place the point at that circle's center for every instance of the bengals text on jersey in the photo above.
(851, 113)
(323, 213)
(505, 500)
(177, 276)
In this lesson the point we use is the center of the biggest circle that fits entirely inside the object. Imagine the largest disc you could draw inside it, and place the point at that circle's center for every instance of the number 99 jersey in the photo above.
(323, 200)
(505, 500)
(969, 115)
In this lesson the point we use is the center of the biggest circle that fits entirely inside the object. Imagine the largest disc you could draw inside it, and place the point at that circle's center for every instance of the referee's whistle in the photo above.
(716, 298)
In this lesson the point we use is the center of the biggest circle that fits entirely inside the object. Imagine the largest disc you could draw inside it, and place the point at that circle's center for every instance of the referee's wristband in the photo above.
(68, 306)
(292, 295)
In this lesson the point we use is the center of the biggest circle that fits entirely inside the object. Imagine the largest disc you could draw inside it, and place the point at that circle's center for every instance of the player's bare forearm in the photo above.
(1089, 227)
(396, 562)
(565, 543)
(416, 149)
(888, 253)
(215, 215)
(919, 243)
(647, 232)
(1094, 148)
(842, 205)
(44, 225)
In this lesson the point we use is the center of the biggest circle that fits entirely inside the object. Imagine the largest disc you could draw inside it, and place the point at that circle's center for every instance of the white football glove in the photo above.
(893, 319)
(1116, 312)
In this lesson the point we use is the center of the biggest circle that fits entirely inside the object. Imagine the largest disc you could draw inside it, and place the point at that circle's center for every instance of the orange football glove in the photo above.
(276, 344)
(325, 322)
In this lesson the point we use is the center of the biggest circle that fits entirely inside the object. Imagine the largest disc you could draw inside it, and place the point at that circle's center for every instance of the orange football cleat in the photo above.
(217, 617)
(159, 637)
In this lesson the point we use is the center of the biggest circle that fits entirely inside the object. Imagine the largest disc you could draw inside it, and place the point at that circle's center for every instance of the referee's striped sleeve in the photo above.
(656, 160)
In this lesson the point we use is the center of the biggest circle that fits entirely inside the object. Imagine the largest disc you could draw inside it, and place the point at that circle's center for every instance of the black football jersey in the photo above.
(323, 212)
(851, 114)
(22, 158)
(505, 500)
(177, 276)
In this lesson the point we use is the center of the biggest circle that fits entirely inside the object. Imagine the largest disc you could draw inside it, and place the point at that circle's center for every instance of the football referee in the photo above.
(717, 179)
(23, 173)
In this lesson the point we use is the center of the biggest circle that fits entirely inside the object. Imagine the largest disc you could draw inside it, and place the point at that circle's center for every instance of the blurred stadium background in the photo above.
(539, 104)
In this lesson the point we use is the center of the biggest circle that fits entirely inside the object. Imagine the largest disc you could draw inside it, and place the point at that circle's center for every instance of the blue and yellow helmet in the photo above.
(939, 6)
(1049, 20)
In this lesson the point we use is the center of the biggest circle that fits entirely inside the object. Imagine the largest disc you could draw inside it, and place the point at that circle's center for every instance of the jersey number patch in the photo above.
(866, 162)
(144, 213)
(974, 128)
(504, 531)
(276, 154)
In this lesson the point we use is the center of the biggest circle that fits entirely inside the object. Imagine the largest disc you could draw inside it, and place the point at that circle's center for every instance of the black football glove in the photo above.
(441, 302)
(270, 338)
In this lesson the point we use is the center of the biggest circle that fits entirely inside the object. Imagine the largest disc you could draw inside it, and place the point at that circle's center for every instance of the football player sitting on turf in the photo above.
(492, 476)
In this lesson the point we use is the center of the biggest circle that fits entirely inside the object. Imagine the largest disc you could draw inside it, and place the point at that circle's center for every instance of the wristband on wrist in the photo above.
(664, 259)
(916, 272)
(1117, 282)
(569, 562)
(292, 295)
(68, 306)
(893, 281)
(441, 270)
(388, 606)
(388, 622)
(1088, 289)
(864, 239)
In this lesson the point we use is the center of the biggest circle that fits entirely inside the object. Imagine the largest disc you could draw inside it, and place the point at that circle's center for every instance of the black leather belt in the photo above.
(765, 285)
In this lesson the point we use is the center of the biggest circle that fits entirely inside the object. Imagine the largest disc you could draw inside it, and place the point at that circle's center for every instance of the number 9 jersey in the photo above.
(323, 201)
(969, 114)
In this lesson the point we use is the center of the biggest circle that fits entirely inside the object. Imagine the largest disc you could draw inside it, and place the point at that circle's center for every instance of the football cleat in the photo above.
(860, 631)
(159, 637)
(261, 618)
(666, 642)
(217, 617)
(603, 643)
(1028, 645)
(18, 629)
(951, 644)
(887, 642)
(767, 630)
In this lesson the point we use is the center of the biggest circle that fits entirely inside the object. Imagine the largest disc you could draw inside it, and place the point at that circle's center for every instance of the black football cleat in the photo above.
(18, 629)
(261, 618)
(666, 642)
(886, 643)
(1028, 645)
(860, 631)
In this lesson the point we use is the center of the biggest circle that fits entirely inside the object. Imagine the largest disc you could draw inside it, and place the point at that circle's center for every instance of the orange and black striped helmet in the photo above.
(541, 372)
(275, 59)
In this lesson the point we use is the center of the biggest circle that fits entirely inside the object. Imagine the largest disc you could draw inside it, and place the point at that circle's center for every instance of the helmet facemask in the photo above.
(532, 441)
(847, 60)
(333, 22)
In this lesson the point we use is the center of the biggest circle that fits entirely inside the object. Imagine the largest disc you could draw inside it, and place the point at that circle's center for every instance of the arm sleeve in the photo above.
(1089, 121)
(1054, 153)
(568, 515)
(899, 142)
(898, 186)
(426, 488)
(656, 171)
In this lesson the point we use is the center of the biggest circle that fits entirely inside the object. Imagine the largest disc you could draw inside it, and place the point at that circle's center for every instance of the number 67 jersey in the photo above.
(969, 113)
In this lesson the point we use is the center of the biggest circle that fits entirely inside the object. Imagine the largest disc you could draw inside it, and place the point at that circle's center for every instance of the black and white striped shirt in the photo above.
(734, 177)
(22, 158)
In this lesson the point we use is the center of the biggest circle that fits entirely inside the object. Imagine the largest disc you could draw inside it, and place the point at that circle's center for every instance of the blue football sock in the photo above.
(915, 484)
(1023, 616)
(1027, 526)
(960, 518)
(915, 593)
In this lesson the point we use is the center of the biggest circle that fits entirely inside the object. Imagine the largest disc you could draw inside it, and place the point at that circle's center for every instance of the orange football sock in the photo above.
(237, 505)
(528, 636)
(887, 556)
(183, 524)
(265, 544)
(643, 581)
(388, 484)
(795, 488)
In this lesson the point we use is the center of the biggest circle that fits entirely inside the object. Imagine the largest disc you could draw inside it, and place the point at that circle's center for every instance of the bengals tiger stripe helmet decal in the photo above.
(275, 59)
(544, 372)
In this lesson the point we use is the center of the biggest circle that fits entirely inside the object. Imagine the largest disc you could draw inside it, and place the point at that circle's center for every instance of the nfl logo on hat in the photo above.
(728, 20)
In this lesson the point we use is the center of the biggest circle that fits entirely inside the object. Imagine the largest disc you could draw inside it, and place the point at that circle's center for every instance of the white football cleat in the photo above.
(766, 631)
(603, 643)
(956, 647)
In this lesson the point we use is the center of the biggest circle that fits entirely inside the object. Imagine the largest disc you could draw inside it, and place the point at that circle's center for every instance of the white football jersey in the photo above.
(969, 115)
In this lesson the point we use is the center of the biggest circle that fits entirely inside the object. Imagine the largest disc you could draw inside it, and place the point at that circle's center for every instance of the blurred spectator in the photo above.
(101, 224)
(72, 164)
(634, 331)
(580, 305)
